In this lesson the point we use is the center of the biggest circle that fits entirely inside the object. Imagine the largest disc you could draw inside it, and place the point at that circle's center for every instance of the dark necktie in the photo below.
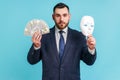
(61, 45)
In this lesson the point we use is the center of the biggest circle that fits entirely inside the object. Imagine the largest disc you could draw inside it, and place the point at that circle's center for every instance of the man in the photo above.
(62, 49)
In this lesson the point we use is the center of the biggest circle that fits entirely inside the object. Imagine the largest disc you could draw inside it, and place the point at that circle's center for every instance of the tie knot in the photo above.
(61, 32)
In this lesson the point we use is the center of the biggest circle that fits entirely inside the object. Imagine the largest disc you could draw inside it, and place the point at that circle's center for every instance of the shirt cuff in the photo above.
(91, 51)
(36, 48)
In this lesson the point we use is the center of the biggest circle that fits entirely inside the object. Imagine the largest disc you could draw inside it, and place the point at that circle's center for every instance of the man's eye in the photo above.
(57, 15)
(65, 15)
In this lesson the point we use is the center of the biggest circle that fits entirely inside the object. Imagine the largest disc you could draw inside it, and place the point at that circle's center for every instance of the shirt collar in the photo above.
(57, 30)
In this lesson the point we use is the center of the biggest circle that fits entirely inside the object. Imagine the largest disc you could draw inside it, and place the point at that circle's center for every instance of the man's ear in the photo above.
(53, 16)
(69, 16)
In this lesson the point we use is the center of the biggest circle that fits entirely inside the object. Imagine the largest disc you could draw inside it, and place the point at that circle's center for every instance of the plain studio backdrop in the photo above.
(14, 45)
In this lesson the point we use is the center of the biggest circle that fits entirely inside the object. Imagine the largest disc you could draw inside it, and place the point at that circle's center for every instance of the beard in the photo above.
(61, 25)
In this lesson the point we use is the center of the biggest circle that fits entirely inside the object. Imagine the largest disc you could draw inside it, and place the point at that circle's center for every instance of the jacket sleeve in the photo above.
(86, 56)
(34, 56)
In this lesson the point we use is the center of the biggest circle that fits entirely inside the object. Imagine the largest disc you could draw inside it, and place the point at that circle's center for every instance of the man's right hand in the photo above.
(36, 39)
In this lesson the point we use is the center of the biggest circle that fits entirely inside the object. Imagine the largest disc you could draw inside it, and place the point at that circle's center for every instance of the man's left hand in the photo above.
(91, 42)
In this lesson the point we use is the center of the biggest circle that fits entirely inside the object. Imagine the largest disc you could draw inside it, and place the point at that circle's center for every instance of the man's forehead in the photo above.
(61, 10)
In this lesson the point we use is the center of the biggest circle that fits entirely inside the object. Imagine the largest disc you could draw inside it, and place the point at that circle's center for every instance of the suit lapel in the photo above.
(68, 44)
(53, 43)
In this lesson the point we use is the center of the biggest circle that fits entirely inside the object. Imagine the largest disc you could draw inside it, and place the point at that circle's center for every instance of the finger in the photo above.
(89, 36)
(91, 39)
(33, 37)
(92, 43)
(38, 36)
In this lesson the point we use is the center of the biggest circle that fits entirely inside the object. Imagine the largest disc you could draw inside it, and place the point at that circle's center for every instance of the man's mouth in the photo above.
(62, 22)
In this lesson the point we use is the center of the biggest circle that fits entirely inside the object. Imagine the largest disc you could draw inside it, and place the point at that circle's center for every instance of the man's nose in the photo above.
(61, 18)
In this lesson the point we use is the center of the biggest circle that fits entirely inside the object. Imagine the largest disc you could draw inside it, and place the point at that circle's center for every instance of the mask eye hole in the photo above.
(92, 25)
(85, 25)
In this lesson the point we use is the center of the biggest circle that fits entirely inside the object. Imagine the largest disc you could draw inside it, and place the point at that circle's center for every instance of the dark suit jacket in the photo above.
(69, 68)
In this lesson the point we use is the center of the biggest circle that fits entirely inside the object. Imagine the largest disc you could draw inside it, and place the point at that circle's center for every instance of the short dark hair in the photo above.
(60, 5)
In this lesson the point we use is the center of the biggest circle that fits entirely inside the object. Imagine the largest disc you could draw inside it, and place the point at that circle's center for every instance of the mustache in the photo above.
(61, 22)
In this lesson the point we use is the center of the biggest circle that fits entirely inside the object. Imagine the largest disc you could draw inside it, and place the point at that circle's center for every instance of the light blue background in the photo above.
(14, 45)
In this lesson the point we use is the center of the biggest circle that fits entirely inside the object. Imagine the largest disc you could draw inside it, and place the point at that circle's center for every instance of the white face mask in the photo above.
(87, 25)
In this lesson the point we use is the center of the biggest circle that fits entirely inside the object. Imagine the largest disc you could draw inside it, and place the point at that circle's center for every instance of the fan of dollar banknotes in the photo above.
(36, 25)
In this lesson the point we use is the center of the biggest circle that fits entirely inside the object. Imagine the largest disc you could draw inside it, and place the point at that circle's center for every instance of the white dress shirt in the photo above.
(57, 35)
